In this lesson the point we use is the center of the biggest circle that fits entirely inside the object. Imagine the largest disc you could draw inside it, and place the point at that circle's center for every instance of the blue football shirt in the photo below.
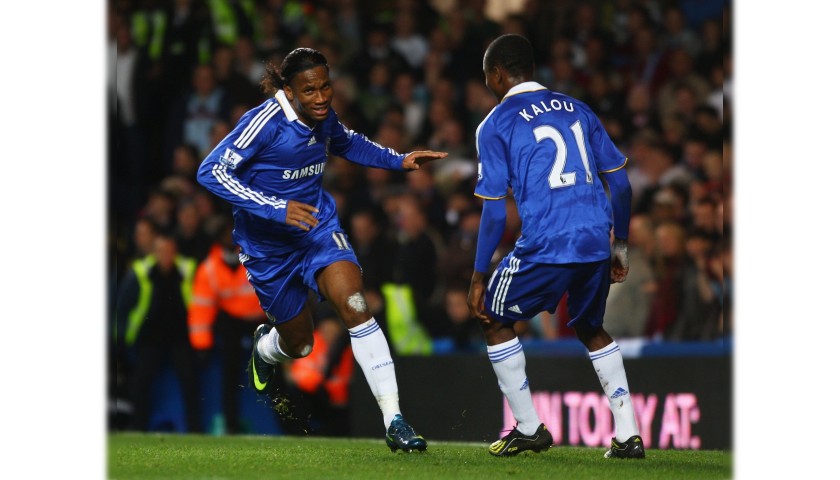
(547, 149)
(271, 157)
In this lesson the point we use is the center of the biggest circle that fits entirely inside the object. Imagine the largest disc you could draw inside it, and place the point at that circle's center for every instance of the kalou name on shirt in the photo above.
(553, 104)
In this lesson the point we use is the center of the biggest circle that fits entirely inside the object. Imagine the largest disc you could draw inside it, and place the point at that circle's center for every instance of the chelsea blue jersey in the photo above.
(271, 157)
(547, 149)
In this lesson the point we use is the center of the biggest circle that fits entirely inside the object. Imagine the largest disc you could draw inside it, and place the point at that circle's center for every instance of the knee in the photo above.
(354, 310)
(305, 350)
(356, 303)
(298, 349)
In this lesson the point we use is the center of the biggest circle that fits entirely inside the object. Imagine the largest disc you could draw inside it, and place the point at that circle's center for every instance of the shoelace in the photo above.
(401, 428)
(508, 432)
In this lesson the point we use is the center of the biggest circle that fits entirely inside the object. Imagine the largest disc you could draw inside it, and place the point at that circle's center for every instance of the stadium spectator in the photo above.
(423, 186)
(647, 64)
(224, 307)
(602, 95)
(460, 326)
(374, 251)
(193, 241)
(375, 97)
(540, 270)
(245, 60)
(712, 46)
(377, 48)
(185, 162)
(721, 269)
(669, 265)
(685, 102)
(404, 92)
(151, 320)
(698, 310)
(239, 88)
(629, 302)
(478, 102)
(193, 115)
(145, 232)
(719, 96)
(160, 208)
(413, 270)
(659, 170)
(704, 215)
(349, 26)
(407, 40)
(682, 74)
(456, 260)
(211, 213)
(677, 34)
(640, 112)
(128, 93)
(268, 40)
(271, 168)
(186, 42)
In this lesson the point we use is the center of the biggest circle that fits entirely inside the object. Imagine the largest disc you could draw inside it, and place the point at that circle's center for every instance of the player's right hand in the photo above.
(301, 215)
(415, 160)
(475, 298)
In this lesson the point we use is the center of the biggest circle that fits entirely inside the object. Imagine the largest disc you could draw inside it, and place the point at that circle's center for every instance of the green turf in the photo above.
(165, 456)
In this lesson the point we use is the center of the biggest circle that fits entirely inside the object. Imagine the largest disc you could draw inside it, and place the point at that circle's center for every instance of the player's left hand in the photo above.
(415, 160)
(620, 263)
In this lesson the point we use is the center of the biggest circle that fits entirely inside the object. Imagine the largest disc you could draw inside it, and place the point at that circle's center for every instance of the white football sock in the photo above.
(374, 356)
(508, 362)
(609, 365)
(268, 347)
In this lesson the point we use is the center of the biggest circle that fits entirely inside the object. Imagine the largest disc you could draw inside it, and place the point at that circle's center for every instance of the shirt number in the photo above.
(557, 178)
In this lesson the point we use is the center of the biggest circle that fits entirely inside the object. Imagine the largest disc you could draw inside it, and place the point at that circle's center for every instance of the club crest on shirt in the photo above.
(230, 158)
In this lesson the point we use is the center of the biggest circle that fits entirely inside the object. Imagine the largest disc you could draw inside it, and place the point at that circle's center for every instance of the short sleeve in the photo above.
(493, 172)
(607, 156)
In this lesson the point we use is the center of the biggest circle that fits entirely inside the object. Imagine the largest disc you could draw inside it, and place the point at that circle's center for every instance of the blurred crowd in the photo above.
(408, 74)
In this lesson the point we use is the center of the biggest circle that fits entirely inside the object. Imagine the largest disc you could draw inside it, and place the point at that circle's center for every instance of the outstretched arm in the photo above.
(357, 148)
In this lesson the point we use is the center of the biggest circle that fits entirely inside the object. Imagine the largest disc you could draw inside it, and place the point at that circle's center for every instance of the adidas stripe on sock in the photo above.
(508, 362)
(374, 357)
(609, 365)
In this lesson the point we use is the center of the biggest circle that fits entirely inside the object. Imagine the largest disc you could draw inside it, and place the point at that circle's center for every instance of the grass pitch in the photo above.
(180, 456)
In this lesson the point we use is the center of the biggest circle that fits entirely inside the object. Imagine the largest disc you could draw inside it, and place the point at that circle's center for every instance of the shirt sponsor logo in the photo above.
(316, 169)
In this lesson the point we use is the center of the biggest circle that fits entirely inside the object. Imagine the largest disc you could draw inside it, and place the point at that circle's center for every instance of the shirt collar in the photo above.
(285, 105)
(523, 88)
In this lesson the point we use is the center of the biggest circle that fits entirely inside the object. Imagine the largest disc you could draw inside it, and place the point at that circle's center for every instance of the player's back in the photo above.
(554, 146)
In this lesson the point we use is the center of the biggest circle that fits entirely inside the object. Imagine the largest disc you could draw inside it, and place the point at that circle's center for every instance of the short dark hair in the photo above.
(513, 53)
